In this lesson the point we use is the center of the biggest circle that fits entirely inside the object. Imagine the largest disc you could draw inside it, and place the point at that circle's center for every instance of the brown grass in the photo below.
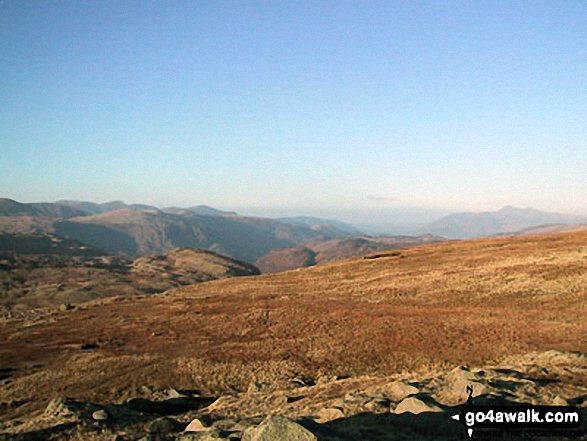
(435, 305)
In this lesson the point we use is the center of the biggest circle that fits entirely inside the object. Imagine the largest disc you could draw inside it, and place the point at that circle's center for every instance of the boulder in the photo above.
(329, 414)
(398, 390)
(416, 405)
(277, 428)
(196, 426)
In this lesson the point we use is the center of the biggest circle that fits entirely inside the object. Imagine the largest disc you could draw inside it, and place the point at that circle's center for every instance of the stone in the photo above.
(329, 414)
(275, 428)
(196, 425)
(100, 415)
(416, 405)
(398, 390)
(559, 401)
(61, 407)
(66, 307)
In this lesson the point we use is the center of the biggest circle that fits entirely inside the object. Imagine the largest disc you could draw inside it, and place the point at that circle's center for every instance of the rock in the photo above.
(65, 307)
(416, 405)
(61, 407)
(329, 414)
(298, 382)
(196, 426)
(164, 426)
(276, 428)
(100, 415)
(209, 435)
(559, 401)
(174, 393)
(453, 387)
(398, 390)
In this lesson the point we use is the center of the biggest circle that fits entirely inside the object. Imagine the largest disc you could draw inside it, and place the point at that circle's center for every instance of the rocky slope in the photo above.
(415, 405)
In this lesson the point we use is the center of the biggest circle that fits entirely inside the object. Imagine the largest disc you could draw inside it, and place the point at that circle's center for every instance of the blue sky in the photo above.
(368, 111)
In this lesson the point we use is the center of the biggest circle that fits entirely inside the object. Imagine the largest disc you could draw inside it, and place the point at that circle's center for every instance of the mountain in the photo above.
(90, 208)
(319, 251)
(40, 270)
(137, 232)
(323, 225)
(8, 207)
(204, 210)
(507, 220)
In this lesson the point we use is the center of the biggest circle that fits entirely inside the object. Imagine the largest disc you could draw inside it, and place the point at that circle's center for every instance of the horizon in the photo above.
(412, 223)
(385, 113)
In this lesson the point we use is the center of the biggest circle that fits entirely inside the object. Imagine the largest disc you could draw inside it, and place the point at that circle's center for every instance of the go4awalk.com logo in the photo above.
(520, 420)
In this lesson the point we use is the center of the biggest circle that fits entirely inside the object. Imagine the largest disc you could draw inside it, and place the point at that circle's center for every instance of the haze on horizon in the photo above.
(365, 112)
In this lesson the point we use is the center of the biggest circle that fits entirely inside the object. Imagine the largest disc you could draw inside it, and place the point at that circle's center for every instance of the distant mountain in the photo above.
(323, 225)
(204, 210)
(507, 220)
(319, 251)
(136, 233)
(139, 230)
(90, 208)
(8, 207)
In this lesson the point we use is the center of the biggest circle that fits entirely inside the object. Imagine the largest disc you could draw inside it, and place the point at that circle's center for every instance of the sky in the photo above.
(372, 112)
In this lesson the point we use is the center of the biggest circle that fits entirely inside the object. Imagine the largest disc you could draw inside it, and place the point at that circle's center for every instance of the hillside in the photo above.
(507, 220)
(41, 270)
(426, 309)
(317, 251)
(143, 232)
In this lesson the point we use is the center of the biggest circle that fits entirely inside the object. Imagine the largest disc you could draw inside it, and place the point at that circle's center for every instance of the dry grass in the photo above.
(437, 305)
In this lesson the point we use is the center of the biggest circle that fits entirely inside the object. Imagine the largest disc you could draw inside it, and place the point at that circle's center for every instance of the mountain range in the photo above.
(138, 230)
(133, 230)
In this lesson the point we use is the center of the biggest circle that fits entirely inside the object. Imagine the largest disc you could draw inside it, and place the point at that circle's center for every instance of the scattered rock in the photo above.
(276, 427)
(66, 307)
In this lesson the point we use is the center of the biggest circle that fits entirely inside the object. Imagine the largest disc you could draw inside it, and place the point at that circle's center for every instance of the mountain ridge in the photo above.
(509, 219)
